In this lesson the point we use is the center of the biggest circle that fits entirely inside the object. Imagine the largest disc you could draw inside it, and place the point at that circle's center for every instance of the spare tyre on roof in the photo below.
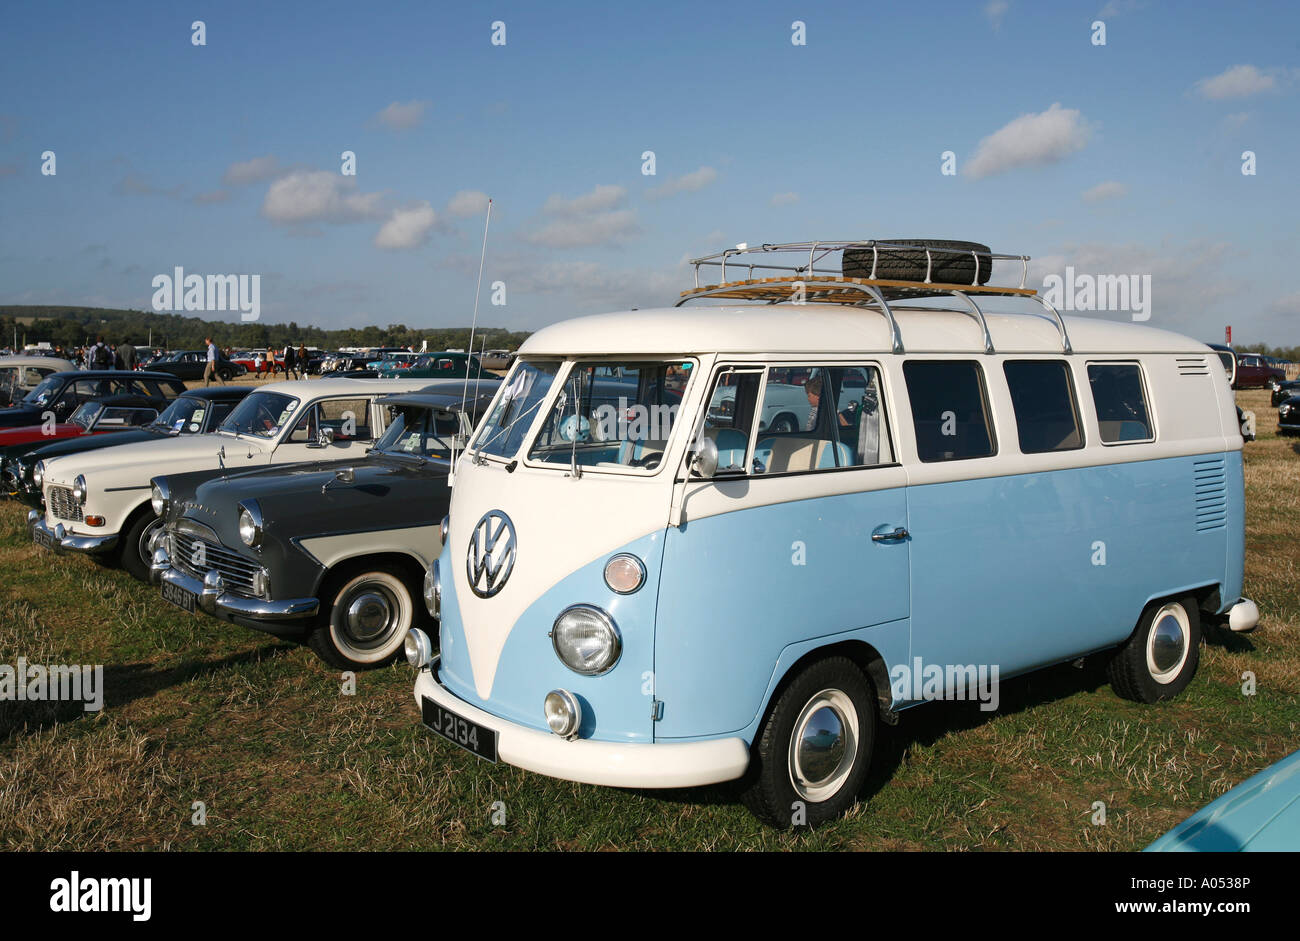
(950, 261)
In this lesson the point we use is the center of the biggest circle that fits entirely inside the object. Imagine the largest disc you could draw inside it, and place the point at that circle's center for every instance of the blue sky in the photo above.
(225, 158)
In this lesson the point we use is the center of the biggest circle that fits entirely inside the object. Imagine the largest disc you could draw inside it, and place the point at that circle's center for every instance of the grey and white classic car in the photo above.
(99, 502)
(331, 552)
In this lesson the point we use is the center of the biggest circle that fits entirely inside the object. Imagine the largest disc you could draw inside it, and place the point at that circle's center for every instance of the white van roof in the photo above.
(823, 328)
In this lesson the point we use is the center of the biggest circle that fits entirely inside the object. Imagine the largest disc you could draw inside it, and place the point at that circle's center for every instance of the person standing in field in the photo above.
(290, 361)
(127, 351)
(210, 371)
(302, 361)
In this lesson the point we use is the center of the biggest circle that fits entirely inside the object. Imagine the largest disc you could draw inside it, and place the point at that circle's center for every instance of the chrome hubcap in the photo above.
(824, 745)
(369, 615)
(1167, 643)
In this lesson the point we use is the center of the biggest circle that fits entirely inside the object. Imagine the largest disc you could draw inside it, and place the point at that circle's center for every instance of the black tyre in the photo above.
(225, 375)
(365, 614)
(946, 267)
(1161, 657)
(813, 752)
(133, 546)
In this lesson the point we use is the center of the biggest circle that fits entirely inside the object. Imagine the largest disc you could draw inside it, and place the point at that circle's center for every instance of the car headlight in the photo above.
(586, 640)
(38, 474)
(433, 589)
(79, 488)
(250, 523)
(159, 498)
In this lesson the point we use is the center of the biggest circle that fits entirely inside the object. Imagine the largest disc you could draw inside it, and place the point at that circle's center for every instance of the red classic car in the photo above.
(112, 413)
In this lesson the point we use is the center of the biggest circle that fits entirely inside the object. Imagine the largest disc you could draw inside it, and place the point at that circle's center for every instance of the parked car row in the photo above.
(340, 484)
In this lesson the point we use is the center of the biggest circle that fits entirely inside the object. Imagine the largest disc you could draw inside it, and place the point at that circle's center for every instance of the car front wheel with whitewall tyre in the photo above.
(133, 549)
(1161, 657)
(813, 752)
(366, 616)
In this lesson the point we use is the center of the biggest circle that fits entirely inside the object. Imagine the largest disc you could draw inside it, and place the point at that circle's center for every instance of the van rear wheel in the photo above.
(813, 752)
(1161, 657)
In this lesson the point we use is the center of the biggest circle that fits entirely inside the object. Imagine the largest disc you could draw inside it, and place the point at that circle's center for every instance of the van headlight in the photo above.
(586, 640)
(79, 488)
(250, 523)
(433, 589)
(38, 474)
(159, 498)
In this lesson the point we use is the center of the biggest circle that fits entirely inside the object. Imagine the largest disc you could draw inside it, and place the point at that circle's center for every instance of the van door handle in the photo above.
(897, 534)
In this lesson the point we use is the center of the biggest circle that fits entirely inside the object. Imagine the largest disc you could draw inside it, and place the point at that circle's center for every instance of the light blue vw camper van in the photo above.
(724, 540)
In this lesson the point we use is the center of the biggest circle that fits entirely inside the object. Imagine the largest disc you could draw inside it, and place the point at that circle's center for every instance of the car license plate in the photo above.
(44, 538)
(181, 597)
(468, 735)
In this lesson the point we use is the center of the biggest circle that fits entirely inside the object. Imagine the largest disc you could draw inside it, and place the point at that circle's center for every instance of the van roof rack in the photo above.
(804, 282)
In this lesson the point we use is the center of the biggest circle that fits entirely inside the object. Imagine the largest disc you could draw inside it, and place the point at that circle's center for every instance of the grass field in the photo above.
(261, 733)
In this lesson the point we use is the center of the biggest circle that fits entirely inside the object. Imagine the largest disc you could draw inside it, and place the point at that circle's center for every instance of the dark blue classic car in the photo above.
(332, 553)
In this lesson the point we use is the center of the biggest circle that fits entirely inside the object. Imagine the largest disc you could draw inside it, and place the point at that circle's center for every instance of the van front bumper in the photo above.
(613, 764)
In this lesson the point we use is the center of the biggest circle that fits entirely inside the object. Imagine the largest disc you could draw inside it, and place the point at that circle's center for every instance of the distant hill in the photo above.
(75, 326)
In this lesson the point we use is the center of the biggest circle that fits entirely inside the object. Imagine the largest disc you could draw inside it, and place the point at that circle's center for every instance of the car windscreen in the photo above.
(425, 432)
(184, 416)
(514, 411)
(85, 414)
(261, 414)
(43, 392)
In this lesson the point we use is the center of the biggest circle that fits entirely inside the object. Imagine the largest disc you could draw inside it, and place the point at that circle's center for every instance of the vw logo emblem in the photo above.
(491, 554)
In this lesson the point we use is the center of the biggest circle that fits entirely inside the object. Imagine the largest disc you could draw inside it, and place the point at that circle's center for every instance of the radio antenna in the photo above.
(469, 349)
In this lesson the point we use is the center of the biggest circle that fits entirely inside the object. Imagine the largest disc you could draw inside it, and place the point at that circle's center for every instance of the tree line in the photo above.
(79, 326)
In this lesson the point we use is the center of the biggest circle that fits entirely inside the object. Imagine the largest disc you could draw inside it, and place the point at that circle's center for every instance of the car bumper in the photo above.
(72, 542)
(614, 764)
(258, 613)
(1288, 426)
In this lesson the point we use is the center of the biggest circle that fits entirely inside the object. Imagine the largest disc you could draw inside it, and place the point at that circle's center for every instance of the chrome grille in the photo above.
(235, 570)
(64, 505)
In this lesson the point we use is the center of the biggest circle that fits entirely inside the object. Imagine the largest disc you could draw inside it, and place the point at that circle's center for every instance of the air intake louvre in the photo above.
(1193, 366)
(1210, 480)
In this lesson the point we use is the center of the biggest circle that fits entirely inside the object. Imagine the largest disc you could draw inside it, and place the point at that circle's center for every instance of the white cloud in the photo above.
(1103, 191)
(1236, 82)
(687, 183)
(318, 196)
(406, 228)
(467, 203)
(585, 286)
(401, 116)
(995, 10)
(251, 171)
(784, 199)
(587, 229)
(603, 196)
(1030, 140)
(1288, 304)
(209, 198)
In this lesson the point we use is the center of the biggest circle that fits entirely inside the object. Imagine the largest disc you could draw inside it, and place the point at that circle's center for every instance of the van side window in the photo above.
(949, 410)
(819, 418)
(1042, 394)
(1121, 402)
(730, 416)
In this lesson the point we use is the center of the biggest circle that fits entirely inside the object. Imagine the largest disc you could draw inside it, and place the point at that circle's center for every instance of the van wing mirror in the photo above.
(324, 438)
(704, 462)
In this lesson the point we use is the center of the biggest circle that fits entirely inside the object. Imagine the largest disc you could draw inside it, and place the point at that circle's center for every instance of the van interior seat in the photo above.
(732, 445)
(630, 450)
(791, 454)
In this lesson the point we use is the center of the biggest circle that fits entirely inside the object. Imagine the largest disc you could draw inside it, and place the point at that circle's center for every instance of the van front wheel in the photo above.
(813, 752)
(1161, 657)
